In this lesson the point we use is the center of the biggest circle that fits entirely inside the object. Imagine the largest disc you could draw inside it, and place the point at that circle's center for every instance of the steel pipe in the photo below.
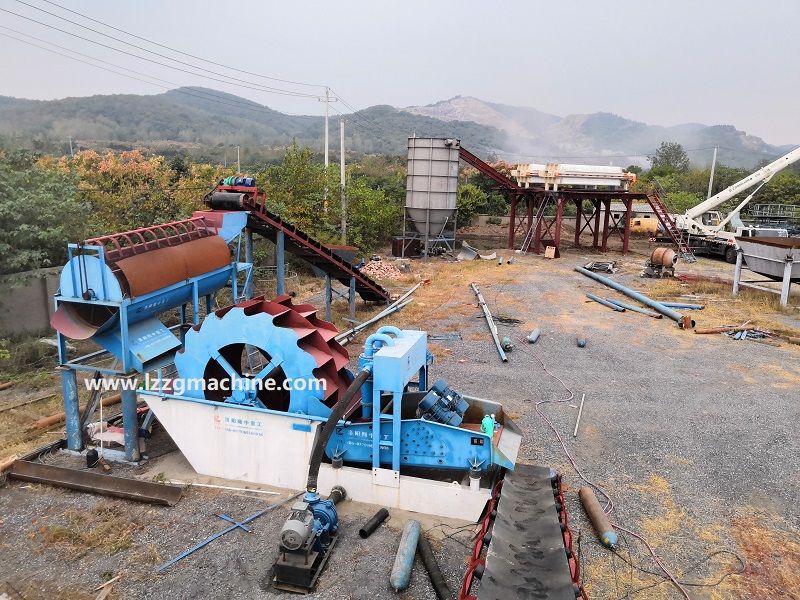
(606, 303)
(638, 309)
(489, 322)
(683, 322)
(683, 305)
(404, 561)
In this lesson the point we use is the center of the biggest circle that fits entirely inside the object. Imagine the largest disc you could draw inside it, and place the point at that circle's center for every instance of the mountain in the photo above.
(530, 134)
(204, 123)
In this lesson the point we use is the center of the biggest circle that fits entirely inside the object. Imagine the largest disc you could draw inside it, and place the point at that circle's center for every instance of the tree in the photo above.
(670, 156)
(40, 212)
(471, 200)
(372, 217)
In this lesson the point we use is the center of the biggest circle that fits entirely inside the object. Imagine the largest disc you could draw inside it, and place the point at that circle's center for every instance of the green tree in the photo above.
(670, 156)
(471, 200)
(40, 212)
(372, 217)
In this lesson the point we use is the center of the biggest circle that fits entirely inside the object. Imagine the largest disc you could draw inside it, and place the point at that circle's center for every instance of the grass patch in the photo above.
(105, 528)
(762, 309)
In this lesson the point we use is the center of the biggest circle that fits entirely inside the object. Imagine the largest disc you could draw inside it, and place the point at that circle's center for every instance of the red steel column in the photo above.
(513, 221)
(578, 215)
(529, 208)
(537, 236)
(606, 230)
(626, 234)
(559, 218)
(596, 204)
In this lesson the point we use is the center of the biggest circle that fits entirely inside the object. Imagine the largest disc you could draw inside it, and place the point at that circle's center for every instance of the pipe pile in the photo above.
(682, 321)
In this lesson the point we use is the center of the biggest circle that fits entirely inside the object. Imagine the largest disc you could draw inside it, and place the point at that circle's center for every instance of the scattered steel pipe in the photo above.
(440, 587)
(606, 303)
(638, 309)
(683, 322)
(605, 531)
(345, 336)
(490, 322)
(222, 532)
(404, 561)
(374, 522)
(684, 305)
(722, 329)
(580, 414)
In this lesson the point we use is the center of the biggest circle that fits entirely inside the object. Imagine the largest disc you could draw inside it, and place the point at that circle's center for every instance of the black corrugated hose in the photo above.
(440, 586)
(322, 439)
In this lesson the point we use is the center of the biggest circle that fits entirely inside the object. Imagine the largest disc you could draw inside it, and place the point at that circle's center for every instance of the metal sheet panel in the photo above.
(432, 182)
(160, 268)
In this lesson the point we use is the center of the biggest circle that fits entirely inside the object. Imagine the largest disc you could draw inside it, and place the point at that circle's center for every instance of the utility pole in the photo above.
(327, 107)
(327, 100)
(341, 181)
(711, 177)
(238, 162)
(71, 154)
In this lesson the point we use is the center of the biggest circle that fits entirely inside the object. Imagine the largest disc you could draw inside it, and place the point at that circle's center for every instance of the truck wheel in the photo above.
(730, 255)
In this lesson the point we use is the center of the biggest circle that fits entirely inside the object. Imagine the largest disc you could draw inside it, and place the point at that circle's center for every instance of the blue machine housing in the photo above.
(437, 437)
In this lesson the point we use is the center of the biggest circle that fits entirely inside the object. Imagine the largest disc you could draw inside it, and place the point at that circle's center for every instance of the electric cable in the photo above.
(164, 56)
(144, 39)
(228, 100)
(150, 60)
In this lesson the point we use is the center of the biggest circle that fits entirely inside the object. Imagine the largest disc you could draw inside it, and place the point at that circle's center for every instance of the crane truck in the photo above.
(707, 232)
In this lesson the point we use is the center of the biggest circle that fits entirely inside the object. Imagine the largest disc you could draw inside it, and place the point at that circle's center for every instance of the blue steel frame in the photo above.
(70, 367)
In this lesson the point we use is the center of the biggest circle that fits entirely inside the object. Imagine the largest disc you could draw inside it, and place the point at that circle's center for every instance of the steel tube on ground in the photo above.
(684, 305)
(684, 322)
(374, 522)
(638, 309)
(440, 586)
(489, 322)
(606, 303)
(605, 531)
(404, 561)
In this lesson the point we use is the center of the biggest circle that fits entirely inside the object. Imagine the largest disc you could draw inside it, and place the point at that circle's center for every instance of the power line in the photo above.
(239, 82)
(266, 88)
(144, 39)
(164, 87)
(223, 100)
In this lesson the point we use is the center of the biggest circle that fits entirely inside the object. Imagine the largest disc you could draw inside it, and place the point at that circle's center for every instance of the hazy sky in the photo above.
(721, 62)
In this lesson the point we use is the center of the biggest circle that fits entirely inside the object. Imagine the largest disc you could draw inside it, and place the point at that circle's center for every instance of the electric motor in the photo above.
(298, 528)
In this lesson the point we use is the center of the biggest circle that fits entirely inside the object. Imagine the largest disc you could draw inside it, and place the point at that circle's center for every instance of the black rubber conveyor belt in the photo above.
(526, 557)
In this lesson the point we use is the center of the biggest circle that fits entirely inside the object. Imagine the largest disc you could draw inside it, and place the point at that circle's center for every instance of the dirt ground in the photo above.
(693, 436)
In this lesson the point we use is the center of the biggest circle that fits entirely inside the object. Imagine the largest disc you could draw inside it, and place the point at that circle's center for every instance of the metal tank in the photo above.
(432, 184)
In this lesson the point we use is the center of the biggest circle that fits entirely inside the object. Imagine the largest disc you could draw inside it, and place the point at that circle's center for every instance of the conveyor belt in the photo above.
(299, 243)
(528, 556)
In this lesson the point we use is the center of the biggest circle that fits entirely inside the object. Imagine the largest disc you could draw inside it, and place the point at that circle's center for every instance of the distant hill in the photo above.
(202, 122)
(543, 136)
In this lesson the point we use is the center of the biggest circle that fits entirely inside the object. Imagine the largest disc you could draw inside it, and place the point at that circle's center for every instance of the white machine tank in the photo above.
(432, 183)
(554, 176)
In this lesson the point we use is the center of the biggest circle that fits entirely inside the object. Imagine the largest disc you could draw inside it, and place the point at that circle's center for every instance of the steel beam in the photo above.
(96, 483)
(280, 263)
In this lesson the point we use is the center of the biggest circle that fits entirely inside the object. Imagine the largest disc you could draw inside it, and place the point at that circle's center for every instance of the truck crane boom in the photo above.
(763, 175)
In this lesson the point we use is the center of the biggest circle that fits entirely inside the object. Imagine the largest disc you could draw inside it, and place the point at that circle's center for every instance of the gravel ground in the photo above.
(694, 437)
